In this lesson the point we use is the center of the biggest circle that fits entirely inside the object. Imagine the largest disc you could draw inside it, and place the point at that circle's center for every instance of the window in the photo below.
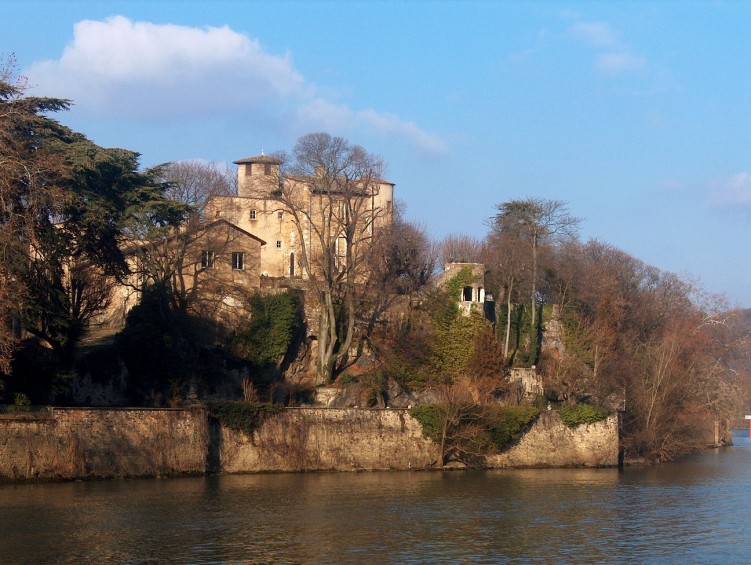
(218, 214)
(278, 243)
(280, 215)
(253, 214)
(207, 259)
(238, 261)
(267, 169)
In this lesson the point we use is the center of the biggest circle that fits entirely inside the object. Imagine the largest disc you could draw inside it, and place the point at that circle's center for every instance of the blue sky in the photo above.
(637, 114)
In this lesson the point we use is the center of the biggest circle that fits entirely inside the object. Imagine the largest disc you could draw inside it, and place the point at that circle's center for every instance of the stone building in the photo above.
(250, 236)
(212, 268)
(290, 212)
(472, 296)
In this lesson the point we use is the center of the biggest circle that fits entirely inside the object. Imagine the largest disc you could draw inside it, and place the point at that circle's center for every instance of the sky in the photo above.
(636, 114)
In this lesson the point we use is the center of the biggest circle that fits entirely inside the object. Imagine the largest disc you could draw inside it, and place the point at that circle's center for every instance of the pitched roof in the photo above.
(196, 230)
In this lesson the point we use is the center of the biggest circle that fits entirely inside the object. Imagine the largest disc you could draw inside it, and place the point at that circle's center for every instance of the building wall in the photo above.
(217, 291)
(255, 211)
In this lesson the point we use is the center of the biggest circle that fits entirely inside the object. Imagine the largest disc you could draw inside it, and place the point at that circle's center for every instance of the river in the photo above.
(692, 511)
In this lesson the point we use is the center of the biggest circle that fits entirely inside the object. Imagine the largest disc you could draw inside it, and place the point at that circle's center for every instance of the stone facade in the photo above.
(215, 266)
(287, 231)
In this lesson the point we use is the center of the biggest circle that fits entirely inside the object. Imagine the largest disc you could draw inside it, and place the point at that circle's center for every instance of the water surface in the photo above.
(687, 512)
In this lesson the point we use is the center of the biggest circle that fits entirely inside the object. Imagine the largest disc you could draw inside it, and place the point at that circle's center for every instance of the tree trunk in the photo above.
(509, 307)
(534, 280)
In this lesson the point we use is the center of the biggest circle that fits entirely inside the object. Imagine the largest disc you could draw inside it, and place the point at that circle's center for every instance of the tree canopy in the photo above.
(66, 207)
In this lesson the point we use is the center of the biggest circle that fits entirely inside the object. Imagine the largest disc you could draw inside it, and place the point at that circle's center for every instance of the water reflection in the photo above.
(681, 512)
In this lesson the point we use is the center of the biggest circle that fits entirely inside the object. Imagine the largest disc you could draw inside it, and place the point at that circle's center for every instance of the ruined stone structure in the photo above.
(472, 296)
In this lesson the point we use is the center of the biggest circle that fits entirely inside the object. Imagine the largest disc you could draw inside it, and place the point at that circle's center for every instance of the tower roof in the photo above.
(259, 159)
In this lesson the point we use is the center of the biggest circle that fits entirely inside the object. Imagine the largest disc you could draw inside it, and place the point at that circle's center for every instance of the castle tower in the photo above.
(257, 175)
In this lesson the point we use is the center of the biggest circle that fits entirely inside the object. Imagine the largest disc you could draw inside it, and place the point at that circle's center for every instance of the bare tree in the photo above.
(401, 259)
(538, 223)
(502, 256)
(331, 191)
(194, 182)
(460, 248)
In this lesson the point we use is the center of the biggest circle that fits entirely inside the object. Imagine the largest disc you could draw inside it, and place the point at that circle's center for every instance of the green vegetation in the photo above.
(275, 320)
(578, 414)
(242, 416)
(509, 423)
(470, 432)
(524, 339)
(432, 418)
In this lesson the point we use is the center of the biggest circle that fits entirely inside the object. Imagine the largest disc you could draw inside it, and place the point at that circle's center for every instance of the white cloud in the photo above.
(595, 34)
(613, 57)
(320, 113)
(735, 191)
(619, 62)
(164, 72)
(150, 71)
(390, 124)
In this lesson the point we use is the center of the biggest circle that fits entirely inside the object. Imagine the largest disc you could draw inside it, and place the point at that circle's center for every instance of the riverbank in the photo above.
(92, 443)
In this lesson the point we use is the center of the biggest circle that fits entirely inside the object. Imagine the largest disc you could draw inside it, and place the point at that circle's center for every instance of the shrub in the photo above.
(431, 418)
(509, 423)
(347, 379)
(275, 320)
(492, 426)
(242, 416)
(578, 414)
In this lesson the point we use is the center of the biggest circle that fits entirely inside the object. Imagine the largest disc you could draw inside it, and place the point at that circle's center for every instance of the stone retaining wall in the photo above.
(80, 443)
(550, 443)
(328, 439)
(71, 443)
